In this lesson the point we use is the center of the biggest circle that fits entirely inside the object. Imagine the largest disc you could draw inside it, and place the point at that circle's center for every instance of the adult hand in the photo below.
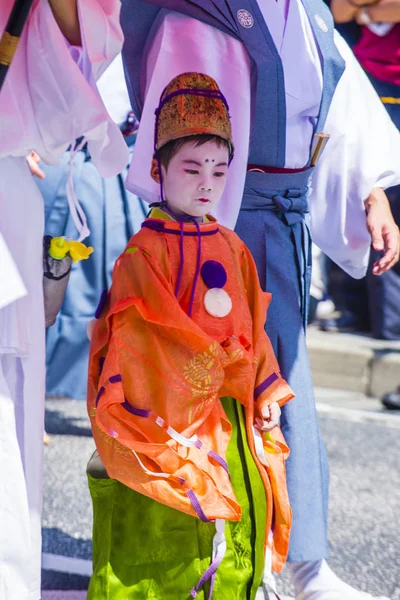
(387, 11)
(343, 11)
(346, 10)
(385, 235)
(33, 162)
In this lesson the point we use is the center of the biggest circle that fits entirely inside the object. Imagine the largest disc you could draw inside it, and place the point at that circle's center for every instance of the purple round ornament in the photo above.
(214, 274)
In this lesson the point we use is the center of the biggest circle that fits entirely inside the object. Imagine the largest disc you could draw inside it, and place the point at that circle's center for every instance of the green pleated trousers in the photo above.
(144, 550)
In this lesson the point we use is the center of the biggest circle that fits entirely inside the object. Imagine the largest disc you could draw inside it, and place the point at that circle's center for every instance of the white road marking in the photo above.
(66, 564)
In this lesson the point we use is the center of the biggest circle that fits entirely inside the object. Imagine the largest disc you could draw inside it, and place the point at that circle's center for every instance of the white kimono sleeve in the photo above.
(184, 44)
(11, 284)
(363, 152)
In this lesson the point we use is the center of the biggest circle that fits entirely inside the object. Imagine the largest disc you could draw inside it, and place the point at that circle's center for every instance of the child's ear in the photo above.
(155, 170)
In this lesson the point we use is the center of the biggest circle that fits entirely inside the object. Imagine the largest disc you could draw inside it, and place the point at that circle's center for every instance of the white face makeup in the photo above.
(195, 179)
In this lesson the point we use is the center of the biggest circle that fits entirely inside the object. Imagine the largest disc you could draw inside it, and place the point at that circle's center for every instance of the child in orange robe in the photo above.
(184, 388)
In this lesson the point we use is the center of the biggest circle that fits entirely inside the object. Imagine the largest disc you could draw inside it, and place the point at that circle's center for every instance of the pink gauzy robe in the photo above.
(49, 98)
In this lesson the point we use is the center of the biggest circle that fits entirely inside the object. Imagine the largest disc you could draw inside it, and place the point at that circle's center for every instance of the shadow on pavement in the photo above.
(59, 423)
(63, 581)
(56, 541)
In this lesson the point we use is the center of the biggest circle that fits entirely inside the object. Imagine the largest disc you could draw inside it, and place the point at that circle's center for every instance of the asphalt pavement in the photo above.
(363, 445)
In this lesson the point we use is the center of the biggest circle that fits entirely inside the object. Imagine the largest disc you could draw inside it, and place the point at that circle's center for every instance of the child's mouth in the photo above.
(203, 200)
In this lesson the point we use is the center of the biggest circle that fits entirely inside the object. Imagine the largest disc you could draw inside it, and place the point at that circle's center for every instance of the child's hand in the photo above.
(270, 417)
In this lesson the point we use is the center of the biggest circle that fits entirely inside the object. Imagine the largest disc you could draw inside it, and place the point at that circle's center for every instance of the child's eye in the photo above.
(191, 171)
(219, 174)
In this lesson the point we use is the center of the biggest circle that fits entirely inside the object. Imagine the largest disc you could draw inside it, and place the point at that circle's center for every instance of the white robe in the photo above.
(364, 148)
(12, 286)
(49, 99)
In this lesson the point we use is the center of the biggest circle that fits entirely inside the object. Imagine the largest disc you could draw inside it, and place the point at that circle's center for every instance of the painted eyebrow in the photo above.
(192, 162)
(195, 162)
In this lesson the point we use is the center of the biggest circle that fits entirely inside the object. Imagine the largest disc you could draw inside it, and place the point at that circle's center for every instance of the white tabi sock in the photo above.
(314, 580)
(303, 572)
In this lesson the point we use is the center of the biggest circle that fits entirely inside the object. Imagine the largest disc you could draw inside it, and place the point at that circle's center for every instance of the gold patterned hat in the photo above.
(192, 104)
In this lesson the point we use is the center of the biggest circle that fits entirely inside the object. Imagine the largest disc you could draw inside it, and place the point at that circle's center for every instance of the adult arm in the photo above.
(66, 14)
(363, 154)
(91, 28)
(63, 92)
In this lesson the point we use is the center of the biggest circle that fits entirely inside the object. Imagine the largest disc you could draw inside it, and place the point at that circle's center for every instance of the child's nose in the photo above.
(206, 185)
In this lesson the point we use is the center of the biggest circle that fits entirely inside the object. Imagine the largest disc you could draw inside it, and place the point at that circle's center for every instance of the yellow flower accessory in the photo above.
(79, 251)
(60, 247)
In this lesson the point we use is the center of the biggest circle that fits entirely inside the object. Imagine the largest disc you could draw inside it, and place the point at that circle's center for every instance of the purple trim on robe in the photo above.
(208, 574)
(100, 306)
(99, 395)
(198, 444)
(182, 261)
(115, 378)
(160, 226)
(219, 460)
(138, 412)
(197, 273)
(102, 360)
(212, 586)
(196, 505)
(265, 385)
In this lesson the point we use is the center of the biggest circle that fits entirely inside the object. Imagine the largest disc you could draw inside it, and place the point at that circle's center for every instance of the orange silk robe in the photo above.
(152, 367)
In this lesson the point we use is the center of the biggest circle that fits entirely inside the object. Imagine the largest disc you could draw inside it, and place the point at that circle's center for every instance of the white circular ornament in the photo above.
(217, 303)
(321, 23)
(245, 18)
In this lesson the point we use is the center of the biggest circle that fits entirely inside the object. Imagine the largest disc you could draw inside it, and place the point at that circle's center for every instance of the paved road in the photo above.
(364, 451)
